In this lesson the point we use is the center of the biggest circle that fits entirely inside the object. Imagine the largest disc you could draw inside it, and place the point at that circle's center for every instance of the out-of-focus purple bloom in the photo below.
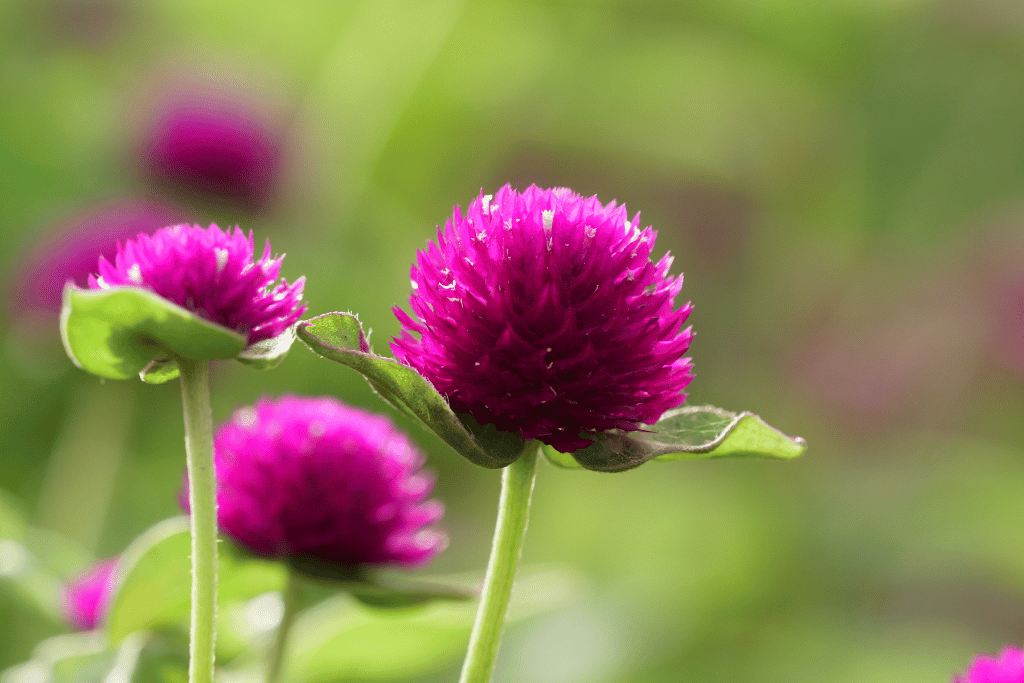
(87, 596)
(213, 145)
(211, 273)
(1008, 667)
(71, 251)
(311, 477)
(542, 313)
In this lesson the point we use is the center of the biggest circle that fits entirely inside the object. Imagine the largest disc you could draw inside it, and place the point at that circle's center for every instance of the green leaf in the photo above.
(690, 433)
(116, 333)
(339, 337)
(154, 579)
(268, 353)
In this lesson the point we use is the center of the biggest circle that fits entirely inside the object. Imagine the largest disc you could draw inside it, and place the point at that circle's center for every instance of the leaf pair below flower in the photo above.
(124, 332)
(688, 433)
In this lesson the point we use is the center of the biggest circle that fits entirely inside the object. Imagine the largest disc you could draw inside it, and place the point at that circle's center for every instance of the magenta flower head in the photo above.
(541, 312)
(214, 146)
(86, 597)
(211, 273)
(311, 478)
(1008, 667)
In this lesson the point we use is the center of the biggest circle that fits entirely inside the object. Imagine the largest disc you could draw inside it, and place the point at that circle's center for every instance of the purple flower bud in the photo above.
(1007, 668)
(86, 597)
(70, 251)
(211, 273)
(314, 478)
(541, 312)
(214, 146)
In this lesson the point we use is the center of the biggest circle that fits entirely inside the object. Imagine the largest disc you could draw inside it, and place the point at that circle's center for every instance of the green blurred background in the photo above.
(841, 183)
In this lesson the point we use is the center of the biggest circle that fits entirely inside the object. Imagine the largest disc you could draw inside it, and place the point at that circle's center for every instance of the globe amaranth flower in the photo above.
(70, 251)
(211, 273)
(314, 478)
(85, 598)
(541, 312)
(1008, 667)
(213, 146)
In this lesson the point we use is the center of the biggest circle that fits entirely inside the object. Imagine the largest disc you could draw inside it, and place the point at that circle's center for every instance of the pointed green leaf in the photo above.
(268, 353)
(708, 432)
(155, 576)
(153, 580)
(339, 337)
(116, 333)
(690, 433)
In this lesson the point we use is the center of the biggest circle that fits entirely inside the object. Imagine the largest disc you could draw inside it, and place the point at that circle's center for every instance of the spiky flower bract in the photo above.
(312, 477)
(211, 273)
(1008, 667)
(542, 313)
(85, 598)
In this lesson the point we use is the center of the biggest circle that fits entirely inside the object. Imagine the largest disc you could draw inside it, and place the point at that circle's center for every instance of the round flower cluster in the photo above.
(311, 477)
(542, 312)
(211, 273)
(217, 149)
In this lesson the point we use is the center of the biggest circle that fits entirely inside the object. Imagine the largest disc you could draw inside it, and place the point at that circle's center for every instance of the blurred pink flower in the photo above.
(314, 478)
(86, 597)
(212, 145)
(70, 252)
(211, 273)
(1008, 667)
(542, 313)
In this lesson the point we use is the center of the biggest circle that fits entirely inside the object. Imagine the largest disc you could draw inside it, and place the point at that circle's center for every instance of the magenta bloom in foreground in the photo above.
(313, 477)
(1008, 667)
(85, 598)
(542, 313)
(211, 273)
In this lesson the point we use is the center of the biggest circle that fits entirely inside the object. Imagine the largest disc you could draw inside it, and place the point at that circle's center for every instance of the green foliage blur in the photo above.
(842, 184)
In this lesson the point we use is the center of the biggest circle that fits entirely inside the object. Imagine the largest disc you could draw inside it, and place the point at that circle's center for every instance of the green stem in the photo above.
(513, 513)
(202, 500)
(292, 593)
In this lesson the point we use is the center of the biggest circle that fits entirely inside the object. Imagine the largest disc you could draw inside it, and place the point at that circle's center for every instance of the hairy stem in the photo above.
(513, 513)
(202, 500)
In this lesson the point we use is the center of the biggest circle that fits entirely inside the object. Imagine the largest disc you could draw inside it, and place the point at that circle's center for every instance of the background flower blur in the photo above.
(842, 185)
